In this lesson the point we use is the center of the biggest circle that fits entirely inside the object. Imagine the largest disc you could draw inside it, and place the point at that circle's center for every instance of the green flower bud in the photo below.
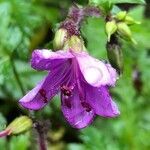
(60, 38)
(121, 15)
(125, 32)
(115, 56)
(75, 43)
(111, 28)
(19, 125)
(130, 21)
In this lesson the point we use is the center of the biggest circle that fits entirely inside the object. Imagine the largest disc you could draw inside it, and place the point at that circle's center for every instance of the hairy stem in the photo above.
(75, 17)
(39, 126)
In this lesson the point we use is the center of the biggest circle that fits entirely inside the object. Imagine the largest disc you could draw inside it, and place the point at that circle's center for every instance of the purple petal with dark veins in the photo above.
(48, 60)
(38, 97)
(77, 113)
(101, 101)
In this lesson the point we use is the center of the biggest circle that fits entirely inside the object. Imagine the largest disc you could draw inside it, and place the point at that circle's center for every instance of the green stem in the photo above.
(17, 76)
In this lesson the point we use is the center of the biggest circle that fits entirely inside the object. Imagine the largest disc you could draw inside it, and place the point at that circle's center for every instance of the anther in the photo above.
(67, 91)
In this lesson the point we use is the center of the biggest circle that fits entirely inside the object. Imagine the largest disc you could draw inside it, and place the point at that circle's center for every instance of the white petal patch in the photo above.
(93, 75)
(96, 72)
(46, 53)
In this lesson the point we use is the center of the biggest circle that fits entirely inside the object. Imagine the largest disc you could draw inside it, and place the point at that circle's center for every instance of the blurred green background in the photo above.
(26, 25)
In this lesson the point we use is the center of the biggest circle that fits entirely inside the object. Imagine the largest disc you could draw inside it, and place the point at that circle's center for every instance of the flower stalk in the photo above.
(114, 53)
(113, 45)
(39, 126)
(76, 16)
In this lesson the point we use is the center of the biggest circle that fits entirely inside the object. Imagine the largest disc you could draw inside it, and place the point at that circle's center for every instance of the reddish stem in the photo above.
(4, 133)
(39, 126)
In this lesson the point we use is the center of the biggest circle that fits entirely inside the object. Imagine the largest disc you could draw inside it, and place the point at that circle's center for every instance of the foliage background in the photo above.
(26, 25)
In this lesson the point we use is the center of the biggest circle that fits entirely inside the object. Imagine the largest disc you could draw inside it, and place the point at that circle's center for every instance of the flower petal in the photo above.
(38, 97)
(113, 74)
(101, 101)
(74, 112)
(46, 59)
(96, 72)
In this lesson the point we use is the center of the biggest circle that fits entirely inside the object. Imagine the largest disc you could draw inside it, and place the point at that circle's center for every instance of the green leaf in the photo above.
(74, 146)
(20, 142)
(2, 127)
(99, 2)
(129, 1)
(20, 21)
(93, 31)
(4, 69)
(2, 122)
(140, 32)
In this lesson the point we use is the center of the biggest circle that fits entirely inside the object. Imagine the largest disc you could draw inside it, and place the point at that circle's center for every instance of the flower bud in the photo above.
(19, 125)
(75, 43)
(121, 15)
(60, 38)
(111, 28)
(115, 56)
(130, 21)
(125, 32)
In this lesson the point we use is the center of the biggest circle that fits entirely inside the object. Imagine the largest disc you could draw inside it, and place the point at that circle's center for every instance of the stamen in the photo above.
(67, 91)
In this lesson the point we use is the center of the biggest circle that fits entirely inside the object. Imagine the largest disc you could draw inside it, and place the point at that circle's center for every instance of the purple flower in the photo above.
(82, 80)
